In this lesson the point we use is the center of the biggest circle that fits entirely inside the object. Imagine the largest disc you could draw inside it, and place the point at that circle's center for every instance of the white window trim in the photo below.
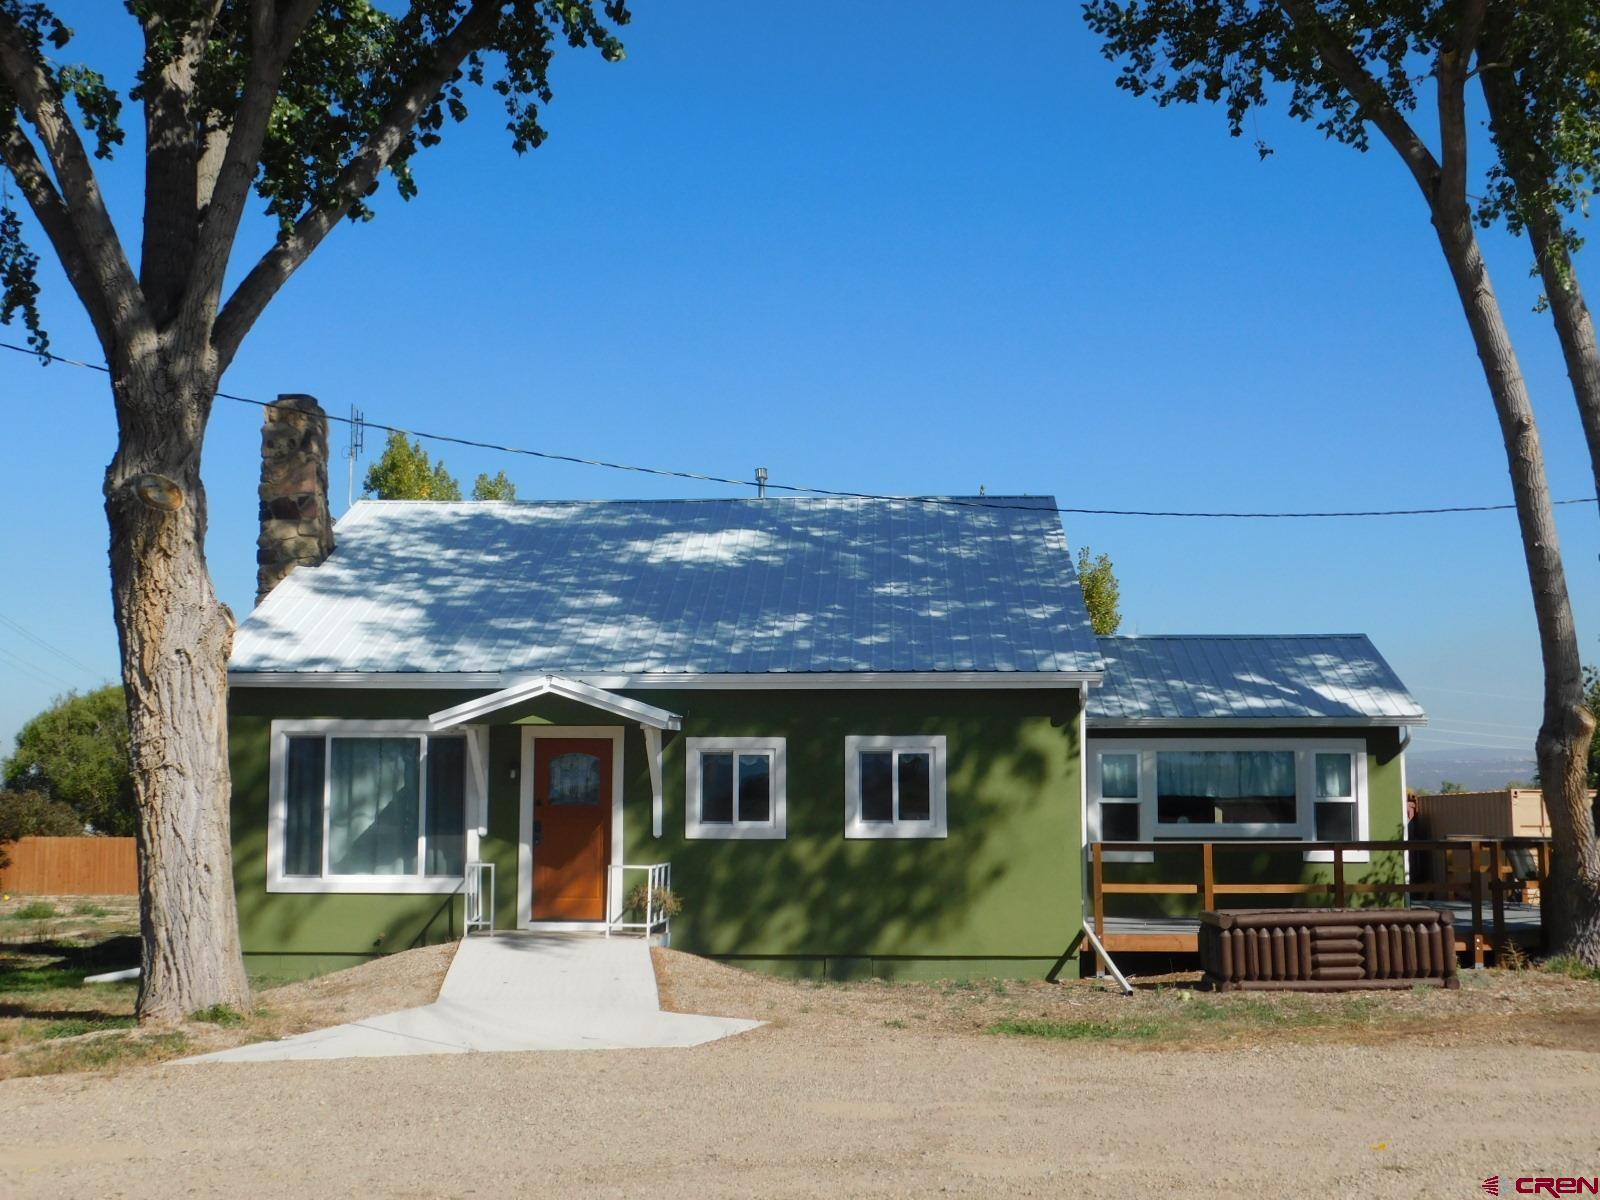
(1146, 813)
(1302, 829)
(277, 814)
(937, 826)
(736, 830)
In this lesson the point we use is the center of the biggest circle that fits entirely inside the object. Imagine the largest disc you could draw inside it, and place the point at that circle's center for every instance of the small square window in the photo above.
(895, 787)
(735, 787)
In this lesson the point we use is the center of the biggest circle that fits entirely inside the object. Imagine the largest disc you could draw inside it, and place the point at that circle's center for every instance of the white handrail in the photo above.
(479, 900)
(658, 879)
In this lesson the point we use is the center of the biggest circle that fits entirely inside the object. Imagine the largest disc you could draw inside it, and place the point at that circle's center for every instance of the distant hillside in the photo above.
(1475, 770)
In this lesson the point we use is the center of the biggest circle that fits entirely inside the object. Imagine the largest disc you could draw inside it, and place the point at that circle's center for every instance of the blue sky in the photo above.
(891, 248)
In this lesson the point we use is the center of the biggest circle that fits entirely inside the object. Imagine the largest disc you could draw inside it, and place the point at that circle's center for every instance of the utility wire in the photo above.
(51, 648)
(698, 477)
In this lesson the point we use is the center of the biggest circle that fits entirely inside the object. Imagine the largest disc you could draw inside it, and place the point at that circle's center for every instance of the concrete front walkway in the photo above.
(517, 991)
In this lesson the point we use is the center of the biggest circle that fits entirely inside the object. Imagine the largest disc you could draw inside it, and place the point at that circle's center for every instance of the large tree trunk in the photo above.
(175, 636)
(1573, 908)
(1574, 324)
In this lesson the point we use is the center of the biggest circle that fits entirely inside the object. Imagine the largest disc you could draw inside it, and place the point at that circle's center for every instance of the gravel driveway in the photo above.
(824, 1103)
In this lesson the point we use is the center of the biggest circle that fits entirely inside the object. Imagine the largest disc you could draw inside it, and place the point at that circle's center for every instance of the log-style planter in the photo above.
(1328, 949)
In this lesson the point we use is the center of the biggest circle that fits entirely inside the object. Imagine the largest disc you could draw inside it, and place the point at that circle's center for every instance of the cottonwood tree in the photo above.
(493, 487)
(1539, 68)
(404, 472)
(1352, 68)
(1102, 594)
(304, 104)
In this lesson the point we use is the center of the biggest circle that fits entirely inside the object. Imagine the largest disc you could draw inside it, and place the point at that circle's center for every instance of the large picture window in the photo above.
(736, 787)
(894, 787)
(1170, 789)
(367, 806)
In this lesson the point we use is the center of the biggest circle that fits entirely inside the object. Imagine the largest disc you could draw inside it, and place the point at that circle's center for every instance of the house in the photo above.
(867, 735)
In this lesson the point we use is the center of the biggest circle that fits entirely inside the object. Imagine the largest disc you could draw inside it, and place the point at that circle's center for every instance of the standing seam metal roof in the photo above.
(780, 584)
(1235, 677)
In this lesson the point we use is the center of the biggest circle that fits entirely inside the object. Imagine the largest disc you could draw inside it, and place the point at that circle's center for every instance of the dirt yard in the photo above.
(975, 1089)
(52, 1023)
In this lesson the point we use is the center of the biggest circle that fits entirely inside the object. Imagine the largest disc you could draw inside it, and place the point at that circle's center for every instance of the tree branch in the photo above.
(1452, 76)
(359, 176)
(22, 160)
(109, 275)
(272, 39)
(172, 155)
(1375, 103)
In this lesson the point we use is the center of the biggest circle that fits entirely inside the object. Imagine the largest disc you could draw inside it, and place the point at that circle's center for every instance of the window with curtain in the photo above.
(1226, 787)
(1335, 797)
(373, 806)
(1118, 801)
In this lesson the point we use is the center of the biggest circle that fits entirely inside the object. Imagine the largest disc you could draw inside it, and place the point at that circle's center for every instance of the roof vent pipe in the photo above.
(761, 483)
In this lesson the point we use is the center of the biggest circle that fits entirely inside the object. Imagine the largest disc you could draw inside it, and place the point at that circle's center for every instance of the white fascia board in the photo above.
(556, 685)
(765, 681)
(1255, 722)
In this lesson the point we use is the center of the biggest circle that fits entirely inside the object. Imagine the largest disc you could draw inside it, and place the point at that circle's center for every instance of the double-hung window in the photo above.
(737, 787)
(894, 787)
(366, 806)
(1154, 789)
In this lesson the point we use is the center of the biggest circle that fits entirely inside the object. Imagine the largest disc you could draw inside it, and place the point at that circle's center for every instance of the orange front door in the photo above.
(571, 828)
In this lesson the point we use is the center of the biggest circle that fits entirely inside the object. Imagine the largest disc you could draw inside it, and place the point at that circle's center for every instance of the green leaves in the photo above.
(1102, 594)
(497, 488)
(403, 472)
(19, 282)
(76, 752)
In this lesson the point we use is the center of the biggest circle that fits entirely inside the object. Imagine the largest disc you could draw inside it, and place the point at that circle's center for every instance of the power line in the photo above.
(53, 649)
(699, 477)
(43, 675)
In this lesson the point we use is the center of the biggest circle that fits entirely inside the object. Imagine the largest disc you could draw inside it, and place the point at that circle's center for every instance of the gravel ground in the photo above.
(849, 1093)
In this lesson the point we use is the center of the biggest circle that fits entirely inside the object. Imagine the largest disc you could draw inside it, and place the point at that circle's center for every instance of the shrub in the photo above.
(34, 910)
(667, 902)
(34, 814)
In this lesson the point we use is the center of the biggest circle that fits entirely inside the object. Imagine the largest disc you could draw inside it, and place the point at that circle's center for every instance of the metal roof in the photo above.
(693, 586)
(1318, 678)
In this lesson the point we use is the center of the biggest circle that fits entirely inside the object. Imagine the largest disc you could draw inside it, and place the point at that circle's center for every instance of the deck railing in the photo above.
(1479, 870)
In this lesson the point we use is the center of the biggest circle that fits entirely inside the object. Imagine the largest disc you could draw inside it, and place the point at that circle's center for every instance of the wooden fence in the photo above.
(71, 866)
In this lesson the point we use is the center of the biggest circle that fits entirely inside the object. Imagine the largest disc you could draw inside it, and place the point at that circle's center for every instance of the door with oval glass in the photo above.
(571, 828)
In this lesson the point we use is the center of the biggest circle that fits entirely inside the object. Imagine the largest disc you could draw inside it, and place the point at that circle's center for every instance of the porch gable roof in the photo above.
(556, 685)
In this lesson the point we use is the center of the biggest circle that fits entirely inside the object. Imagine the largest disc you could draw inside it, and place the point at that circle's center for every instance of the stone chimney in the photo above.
(296, 525)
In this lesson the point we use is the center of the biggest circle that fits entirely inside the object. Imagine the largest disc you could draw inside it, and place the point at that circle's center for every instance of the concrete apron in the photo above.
(519, 991)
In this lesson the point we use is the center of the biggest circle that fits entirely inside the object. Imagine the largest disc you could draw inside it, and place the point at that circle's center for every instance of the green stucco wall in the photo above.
(1000, 895)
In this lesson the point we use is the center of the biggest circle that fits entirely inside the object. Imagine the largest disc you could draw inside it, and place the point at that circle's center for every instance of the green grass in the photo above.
(78, 1026)
(40, 979)
(1075, 1031)
(88, 908)
(117, 1049)
(219, 1014)
(34, 910)
(1572, 968)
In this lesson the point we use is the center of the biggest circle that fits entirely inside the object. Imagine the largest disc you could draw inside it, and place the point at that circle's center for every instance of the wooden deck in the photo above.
(1478, 875)
(1180, 935)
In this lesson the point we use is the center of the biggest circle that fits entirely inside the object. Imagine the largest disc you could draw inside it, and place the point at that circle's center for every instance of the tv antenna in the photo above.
(358, 443)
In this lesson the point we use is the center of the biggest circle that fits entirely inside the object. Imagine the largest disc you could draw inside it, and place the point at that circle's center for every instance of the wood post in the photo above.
(1208, 878)
(1475, 864)
(1341, 898)
(1497, 892)
(1099, 880)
